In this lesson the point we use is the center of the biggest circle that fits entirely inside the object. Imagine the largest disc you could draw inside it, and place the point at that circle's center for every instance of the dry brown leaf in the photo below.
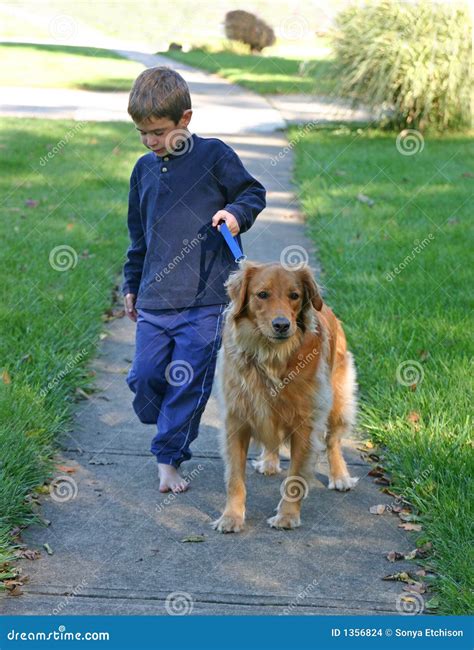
(66, 468)
(395, 556)
(377, 510)
(414, 417)
(6, 377)
(410, 527)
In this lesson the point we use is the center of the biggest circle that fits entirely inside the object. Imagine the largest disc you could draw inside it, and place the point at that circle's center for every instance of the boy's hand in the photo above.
(231, 221)
(129, 303)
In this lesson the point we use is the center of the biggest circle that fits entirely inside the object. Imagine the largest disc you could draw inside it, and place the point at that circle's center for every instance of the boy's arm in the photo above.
(133, 267)
(245, 195)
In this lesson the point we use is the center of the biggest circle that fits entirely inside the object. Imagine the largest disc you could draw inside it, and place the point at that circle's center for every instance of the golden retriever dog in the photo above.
(285, 376)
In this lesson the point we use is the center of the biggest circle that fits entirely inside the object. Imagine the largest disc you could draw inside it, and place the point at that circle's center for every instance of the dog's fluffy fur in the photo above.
(284, 376)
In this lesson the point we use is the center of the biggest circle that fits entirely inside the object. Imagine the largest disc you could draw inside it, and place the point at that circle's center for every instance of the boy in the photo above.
(178, 261)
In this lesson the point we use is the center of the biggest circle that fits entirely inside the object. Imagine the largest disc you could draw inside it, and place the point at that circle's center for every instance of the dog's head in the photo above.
(276, 300)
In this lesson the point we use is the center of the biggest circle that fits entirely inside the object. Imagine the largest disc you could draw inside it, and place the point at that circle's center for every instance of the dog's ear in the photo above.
(311, 290)
(237, 284)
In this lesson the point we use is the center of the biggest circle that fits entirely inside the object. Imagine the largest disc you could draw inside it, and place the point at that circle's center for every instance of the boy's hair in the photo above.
(158, 92)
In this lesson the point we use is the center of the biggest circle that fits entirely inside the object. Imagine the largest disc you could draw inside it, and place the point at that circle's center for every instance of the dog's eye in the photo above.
(294, 295)
(262, 294)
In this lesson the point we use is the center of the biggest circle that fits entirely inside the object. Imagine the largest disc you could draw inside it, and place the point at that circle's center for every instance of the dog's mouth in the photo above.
(280, 337)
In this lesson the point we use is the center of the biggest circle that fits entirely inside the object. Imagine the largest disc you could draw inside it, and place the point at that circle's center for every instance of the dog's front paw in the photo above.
(228, 523)
(267, 467)
(287, 521)
(342, 483)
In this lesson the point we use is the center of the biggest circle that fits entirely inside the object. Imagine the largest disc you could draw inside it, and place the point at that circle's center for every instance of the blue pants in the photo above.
(172, 374)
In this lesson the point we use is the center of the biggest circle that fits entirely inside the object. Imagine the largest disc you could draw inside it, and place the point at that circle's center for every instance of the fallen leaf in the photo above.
(395, 556)
(404, 516)
(42, 489)
(69, 226)
(28, 554)
(399, 577)
(363, 198)
(467, 175)
(16, 591)
(48, 548)
(66, 468)
(432, 603)
(416, 587)
(377, 510)
(6, 377)
(423, 355)
(424, 549)
(194, 538)
(410, 527)
(382, 480)
(81, 394)
(414, 417)
(376, 471)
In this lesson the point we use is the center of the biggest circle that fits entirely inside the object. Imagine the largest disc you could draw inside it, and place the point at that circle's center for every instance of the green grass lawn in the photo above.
(267, 75)
(397, 274)
(60, 66)
(53, 318)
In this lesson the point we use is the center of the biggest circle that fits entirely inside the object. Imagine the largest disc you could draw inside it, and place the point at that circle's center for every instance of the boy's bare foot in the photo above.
(171, 479)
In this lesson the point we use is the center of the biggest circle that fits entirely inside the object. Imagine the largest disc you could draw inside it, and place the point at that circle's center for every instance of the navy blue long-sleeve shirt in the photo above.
(176, 257)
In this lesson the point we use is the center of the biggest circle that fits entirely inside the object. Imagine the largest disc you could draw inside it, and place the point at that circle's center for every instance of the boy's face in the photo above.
(156, 132)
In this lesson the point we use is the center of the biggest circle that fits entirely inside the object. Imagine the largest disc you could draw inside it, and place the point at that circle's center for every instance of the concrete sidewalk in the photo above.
(121, 547)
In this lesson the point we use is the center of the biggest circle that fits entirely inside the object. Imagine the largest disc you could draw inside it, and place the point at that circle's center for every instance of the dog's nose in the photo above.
(281, 325)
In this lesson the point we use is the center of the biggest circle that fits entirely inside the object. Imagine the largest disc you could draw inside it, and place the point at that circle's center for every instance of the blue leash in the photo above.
(232, 243)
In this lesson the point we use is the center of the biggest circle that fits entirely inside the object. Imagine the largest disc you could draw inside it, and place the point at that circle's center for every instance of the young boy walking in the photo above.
(177, 262)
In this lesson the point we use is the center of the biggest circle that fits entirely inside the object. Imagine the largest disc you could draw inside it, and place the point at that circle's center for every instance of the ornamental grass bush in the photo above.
(412, 58)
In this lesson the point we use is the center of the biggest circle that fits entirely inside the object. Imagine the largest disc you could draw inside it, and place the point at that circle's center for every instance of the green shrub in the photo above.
(412, 58)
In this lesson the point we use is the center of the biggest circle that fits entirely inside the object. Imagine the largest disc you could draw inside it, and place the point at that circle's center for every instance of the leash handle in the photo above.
(232, 243)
